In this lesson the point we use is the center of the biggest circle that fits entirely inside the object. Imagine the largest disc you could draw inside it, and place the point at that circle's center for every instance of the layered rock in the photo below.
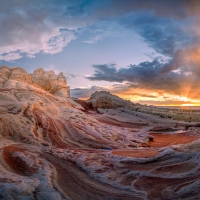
(49, 81)
(46, 80)
(37, 117)
(51, 149)
(105, 99)
(86, 105)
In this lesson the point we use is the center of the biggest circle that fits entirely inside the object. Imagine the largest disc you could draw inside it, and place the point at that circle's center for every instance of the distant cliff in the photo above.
(105, 99)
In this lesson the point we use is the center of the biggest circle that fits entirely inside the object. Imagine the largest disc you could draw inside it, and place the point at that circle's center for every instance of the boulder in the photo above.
(106, 100)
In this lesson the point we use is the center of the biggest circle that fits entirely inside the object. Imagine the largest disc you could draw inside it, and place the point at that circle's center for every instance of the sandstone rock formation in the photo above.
(86, 105)
(104, 99)
(51, 149)
(45, 80)
(49, 81)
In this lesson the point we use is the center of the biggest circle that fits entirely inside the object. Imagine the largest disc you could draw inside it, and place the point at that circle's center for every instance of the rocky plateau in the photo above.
(106, 148)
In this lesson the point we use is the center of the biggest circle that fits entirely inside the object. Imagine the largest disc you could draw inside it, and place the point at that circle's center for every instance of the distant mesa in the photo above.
(104, 100)
(107, 100)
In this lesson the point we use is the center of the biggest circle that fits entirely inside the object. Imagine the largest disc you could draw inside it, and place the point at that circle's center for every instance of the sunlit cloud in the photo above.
(31, 28)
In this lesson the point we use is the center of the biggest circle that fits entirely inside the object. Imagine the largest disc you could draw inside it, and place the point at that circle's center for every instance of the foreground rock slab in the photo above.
(52, 149)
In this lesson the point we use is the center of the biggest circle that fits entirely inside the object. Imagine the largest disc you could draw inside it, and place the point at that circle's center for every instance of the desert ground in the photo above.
(106, 148)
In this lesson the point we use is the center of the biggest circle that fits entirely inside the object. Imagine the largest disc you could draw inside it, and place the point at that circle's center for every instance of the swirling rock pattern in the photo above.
(52, 149)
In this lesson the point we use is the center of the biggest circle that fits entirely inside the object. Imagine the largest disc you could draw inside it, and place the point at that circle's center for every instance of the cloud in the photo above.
(164, 35)
(57, 43)
(170, 28)
(11, 56)
(172, 33)
(95, 39)
(102, 9)
(125, 88)
(31, 27)
(134, 93)
(85, 92)
(101, 30)
(164, 103)
(133, 73)
(153, 77)
(69, 75)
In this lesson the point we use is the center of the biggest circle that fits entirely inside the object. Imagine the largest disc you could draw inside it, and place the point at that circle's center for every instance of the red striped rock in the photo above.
(51, 149)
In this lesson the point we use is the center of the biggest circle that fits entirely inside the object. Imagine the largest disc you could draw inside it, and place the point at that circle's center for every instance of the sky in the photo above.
(144, 51)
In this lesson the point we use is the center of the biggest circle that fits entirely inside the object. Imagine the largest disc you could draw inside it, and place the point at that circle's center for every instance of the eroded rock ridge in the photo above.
(50, 148)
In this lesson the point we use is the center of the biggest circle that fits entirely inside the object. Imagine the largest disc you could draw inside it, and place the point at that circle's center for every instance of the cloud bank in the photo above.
(174, 35)
(170, 28)
(31, 27)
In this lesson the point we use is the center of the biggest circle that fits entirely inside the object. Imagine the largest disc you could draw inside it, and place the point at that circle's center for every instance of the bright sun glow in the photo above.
(182, 98)
(187, 104)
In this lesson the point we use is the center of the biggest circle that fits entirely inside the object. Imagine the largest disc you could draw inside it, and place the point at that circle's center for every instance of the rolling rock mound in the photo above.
(51, 149)
(105, 99)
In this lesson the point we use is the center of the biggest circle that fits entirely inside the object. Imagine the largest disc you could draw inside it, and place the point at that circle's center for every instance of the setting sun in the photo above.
(187, 104)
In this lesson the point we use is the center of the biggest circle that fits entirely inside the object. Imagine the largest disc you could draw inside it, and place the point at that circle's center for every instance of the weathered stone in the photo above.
(104, 99)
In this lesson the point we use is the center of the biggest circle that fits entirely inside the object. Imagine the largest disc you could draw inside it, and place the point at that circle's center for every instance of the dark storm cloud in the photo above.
(170, 28)
(29, 27)
(149, 76)
(164, 35)
(177, 9)
(145, 70)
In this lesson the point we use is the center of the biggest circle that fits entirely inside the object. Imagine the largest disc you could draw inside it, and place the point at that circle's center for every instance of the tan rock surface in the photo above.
(104, 99)
(46, 80)
(51, 149)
